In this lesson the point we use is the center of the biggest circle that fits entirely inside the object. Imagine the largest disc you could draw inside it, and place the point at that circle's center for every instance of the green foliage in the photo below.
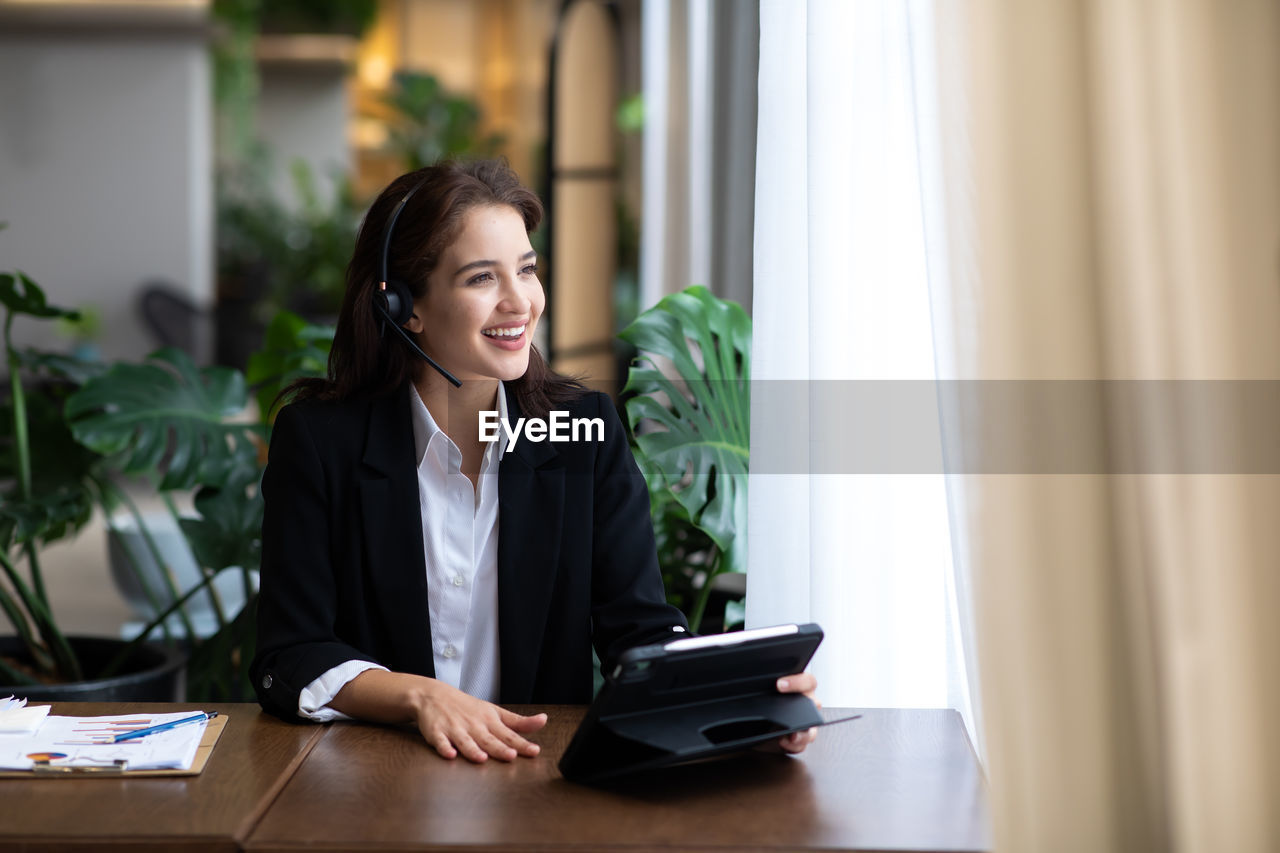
(77, 428)
(294, 349)
(296, 256)
(227, 531)
(166, 415)
(629, 117)
(430, 125)
(685, 552)
(702, 444)
(219, 667)
(61, 499)
(69, 370)
(20, 295)
(235, 75)
(693, 433)
(35, 509)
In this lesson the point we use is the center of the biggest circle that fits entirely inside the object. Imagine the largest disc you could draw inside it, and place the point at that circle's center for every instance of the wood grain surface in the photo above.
(216, 810)
(891, 780)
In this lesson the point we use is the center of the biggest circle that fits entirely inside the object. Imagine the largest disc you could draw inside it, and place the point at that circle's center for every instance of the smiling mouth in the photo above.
(509, 334)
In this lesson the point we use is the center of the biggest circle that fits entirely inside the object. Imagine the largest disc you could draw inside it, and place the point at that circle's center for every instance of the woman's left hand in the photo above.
(804, 683)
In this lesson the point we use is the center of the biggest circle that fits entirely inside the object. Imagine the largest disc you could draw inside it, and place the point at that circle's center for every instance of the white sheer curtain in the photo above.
(842, 298)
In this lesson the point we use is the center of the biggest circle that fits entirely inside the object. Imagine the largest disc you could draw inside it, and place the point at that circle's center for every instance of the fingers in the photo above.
(806, 683)
(511, 739)
(797, 741)
(498, 746)
(476, 743)
(454, 723)
(513, 725)
(520, 723)
(440, 743)
(801, 682)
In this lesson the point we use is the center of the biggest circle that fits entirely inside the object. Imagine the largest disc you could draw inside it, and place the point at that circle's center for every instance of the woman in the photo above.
(410, 571)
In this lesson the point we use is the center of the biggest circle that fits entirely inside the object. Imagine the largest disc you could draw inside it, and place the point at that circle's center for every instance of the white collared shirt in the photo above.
(460, 546)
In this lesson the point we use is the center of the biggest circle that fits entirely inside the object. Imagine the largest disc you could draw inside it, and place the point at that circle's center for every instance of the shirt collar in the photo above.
(425, 427)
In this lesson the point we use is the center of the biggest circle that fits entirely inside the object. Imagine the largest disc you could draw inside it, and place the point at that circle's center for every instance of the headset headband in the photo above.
(382, 300)
(391, 227)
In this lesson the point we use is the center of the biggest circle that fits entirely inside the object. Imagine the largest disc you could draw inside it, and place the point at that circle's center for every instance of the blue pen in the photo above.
(164, 727)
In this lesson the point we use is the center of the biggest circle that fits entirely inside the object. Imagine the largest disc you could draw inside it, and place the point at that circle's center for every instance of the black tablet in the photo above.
(693, 698)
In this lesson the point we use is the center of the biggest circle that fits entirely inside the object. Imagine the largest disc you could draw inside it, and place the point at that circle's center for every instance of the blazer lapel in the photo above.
(530, 513)
(392, 520)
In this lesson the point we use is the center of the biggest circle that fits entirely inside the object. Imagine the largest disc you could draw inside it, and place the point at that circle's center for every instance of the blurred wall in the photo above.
(303, 108)
(105, 157)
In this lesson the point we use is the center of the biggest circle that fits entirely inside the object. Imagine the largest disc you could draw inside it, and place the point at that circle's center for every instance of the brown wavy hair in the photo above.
(367, 362)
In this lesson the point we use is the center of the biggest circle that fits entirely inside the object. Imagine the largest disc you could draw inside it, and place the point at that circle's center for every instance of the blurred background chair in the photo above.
(172, 318)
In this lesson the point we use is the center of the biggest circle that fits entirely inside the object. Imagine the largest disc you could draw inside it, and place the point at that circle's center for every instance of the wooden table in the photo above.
(892, 780)
(216, 810)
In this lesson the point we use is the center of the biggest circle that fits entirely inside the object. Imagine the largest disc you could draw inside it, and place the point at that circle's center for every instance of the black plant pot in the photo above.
(152, 673)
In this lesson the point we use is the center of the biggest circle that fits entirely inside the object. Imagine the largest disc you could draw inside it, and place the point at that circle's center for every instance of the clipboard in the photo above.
(692, 699)
(212, 731)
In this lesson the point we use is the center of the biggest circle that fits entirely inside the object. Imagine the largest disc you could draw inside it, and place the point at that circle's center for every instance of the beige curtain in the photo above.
(1113, 195)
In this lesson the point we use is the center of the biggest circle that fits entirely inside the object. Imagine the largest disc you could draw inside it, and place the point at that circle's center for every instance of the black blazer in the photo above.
(343, 574)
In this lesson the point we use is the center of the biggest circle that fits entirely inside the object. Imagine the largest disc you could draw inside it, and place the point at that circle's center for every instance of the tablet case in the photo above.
(664, 704)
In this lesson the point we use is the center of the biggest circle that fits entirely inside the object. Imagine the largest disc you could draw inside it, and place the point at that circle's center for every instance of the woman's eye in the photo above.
(480, 279)
(531, 269)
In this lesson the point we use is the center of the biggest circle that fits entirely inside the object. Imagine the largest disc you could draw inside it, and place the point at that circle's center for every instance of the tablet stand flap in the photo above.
(690, 730)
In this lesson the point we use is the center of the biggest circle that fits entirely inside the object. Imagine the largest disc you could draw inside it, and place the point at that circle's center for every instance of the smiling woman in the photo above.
(412, 572)
(482, 302)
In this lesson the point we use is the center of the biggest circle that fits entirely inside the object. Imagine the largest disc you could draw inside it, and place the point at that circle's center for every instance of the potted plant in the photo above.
(167, 416)
(692, 438)
(91, 425)
(50, 485)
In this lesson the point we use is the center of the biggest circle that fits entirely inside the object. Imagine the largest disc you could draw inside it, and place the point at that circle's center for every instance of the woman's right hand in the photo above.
(455, 723)
(452, 722)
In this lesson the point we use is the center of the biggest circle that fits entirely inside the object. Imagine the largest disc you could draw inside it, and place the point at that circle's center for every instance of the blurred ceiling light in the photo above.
(375, 71)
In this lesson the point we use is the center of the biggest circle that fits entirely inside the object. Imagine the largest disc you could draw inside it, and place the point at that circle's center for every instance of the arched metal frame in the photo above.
(551, 175)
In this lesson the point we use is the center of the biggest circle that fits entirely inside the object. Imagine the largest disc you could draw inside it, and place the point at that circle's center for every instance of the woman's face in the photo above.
(483, 301)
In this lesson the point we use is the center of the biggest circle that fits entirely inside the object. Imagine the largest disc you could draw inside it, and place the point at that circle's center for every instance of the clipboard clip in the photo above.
(44, 767)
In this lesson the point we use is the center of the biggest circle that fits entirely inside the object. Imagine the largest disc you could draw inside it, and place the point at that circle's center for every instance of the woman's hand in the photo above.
(455, 723)
(451, 721)
(800, 683)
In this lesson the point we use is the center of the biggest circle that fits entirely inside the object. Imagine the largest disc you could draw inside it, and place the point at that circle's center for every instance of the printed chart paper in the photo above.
(87, 741)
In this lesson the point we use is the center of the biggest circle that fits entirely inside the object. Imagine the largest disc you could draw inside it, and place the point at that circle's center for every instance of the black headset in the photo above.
(393, 300)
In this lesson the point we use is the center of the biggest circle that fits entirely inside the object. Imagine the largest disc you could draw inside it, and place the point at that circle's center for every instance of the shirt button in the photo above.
(266, 682)
(458, 580)
(450, 652)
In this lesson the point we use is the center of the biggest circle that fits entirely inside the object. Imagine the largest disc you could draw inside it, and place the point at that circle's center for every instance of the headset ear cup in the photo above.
(397, 301)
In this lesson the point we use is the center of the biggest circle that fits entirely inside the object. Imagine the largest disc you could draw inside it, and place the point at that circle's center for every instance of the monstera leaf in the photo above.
(293, 349)
(228, 531)
(61, 499)
(700, 433)
(21, 295)
(166, 415)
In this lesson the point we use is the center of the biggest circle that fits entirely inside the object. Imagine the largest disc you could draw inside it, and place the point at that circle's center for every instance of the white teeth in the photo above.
(514, 332)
